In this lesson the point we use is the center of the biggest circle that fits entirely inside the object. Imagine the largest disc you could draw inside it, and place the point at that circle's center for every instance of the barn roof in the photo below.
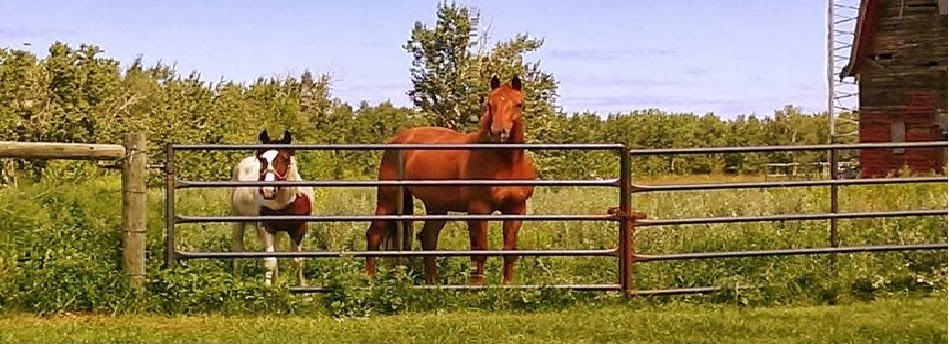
(863, 33)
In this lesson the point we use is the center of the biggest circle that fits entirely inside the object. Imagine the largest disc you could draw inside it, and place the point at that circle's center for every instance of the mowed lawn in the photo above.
(899, 320)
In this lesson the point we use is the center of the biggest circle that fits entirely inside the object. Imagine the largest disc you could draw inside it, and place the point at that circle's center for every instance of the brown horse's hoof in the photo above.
(638, 215)
(475, 279)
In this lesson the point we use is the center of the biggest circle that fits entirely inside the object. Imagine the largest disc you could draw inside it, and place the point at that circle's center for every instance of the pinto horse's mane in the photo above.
(271, 165)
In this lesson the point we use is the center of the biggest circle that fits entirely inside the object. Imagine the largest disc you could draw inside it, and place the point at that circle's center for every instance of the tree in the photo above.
(450, 81)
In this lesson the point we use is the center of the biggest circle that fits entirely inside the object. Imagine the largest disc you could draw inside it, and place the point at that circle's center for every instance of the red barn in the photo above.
(898, 58)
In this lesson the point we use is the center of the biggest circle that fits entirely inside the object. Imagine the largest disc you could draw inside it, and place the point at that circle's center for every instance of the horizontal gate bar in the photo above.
(763, 149)
(573, 287)
(444, 253)
(780, 184)
(374, 183)
(368, 218)
(787, 217)
(684, 291)
(403, 146)
(788, 252)
(463, 287)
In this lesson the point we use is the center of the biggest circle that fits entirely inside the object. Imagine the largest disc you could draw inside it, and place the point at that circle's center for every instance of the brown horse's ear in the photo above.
(495, 81)
(264, 137)
(286, 137)
(516, 83)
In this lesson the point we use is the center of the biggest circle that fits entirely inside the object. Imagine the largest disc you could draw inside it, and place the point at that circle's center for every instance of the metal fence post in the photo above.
(626, 219)
(834, 206)
(170, 258)
(400, 228)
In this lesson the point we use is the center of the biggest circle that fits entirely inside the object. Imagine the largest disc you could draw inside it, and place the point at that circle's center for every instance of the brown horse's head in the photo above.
(274, 163)
(502, 120)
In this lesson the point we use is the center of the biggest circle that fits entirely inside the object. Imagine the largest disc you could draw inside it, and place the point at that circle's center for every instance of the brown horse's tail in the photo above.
(391, 229)
(408, 208)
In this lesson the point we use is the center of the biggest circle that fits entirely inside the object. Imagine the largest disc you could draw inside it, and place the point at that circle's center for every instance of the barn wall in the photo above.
(903, 86)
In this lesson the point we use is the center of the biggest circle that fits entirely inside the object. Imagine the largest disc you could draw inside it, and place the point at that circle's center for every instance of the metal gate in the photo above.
(622, 214)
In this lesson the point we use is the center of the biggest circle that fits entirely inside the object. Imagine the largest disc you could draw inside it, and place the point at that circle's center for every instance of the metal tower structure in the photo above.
(842, 93)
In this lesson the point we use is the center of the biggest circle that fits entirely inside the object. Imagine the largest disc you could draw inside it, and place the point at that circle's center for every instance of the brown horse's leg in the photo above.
(296, 236)
(384, 206)
(430, 243)
(374, 235)
(510, 240)
(478, 236)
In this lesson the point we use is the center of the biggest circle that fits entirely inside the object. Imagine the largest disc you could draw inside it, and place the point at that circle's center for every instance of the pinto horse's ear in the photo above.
(516, 83)
(264, 137)
(286, 137)
(495, 81)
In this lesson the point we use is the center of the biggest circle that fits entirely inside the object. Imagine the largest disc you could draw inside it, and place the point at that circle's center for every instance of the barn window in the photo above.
(922, 4)
(883, 56)
(898, 134)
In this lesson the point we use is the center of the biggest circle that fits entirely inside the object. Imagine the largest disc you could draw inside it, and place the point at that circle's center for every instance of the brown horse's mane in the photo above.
(502, 121)
(514, 155)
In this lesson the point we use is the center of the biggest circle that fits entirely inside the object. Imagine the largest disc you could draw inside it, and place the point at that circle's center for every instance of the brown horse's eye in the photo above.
(519, 105)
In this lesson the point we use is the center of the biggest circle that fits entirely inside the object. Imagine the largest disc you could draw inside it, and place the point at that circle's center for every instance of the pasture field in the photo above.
(912, 270)
(919, 320)
(59, 252)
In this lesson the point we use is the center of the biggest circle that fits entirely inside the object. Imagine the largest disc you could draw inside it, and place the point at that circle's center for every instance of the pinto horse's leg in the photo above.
(429, 238)
(478, 236)
(297, 237)
(237, 243)
(270, 263)
(276, 247)
(511, 228)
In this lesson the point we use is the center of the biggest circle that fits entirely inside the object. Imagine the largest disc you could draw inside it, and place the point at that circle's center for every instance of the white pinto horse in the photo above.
(271, 165)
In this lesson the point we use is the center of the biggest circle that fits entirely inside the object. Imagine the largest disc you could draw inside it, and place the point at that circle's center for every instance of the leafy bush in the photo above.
(63, 252)
(191, 290)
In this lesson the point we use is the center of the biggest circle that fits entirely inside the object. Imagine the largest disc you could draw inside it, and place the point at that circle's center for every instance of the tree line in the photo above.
(76, 95)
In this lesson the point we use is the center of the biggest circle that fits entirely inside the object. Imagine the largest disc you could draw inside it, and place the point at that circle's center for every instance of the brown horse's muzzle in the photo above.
(502, 135)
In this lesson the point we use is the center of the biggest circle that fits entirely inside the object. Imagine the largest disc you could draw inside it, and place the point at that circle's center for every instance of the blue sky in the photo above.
(727, 56)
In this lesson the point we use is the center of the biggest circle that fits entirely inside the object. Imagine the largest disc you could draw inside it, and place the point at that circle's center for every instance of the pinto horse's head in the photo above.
(274, 163)
(502, 119)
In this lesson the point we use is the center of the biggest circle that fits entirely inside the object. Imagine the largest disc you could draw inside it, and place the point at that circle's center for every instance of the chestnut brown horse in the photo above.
(502, 122)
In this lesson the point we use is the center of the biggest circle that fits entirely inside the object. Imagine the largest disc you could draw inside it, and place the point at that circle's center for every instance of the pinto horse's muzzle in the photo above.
(270, 192)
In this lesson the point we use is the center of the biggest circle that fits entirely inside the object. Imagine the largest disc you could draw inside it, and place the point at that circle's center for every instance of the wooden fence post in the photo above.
(134, 173)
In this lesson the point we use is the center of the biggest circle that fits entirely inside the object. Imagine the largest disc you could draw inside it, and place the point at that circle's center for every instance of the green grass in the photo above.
(59, 252)
(890, 321)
